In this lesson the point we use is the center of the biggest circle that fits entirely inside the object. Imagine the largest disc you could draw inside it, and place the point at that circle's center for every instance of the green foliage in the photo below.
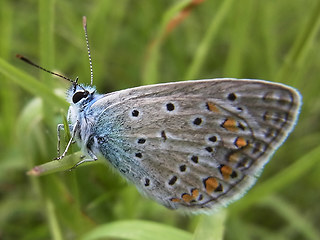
(131, 46)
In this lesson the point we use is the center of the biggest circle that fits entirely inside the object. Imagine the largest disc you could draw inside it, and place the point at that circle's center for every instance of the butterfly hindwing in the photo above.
(195, 144)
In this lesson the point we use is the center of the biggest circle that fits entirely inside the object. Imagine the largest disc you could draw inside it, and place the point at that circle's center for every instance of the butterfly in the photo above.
(190, 145)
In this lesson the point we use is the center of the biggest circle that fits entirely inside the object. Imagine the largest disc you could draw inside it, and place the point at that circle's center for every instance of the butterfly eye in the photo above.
(79, 95)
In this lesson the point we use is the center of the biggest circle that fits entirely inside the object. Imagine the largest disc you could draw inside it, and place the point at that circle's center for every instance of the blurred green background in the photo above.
(141, 42)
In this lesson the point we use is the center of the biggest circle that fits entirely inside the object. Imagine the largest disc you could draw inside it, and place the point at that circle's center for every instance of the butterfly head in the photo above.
(80, 97)
(79, 94)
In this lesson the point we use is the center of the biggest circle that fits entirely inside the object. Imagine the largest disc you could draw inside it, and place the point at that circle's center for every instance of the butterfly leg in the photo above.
(59, 128)
(92, 159)
(74, 130)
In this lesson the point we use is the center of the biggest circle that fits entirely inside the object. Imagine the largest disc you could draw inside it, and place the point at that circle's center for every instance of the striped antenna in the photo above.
(84, 22)
(46, 70)
(75, 82)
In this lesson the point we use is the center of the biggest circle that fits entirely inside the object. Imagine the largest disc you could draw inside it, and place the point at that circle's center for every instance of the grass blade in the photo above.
(30, 84)
(204, 46)
(280, 180)
(211, 227)
(137, 230)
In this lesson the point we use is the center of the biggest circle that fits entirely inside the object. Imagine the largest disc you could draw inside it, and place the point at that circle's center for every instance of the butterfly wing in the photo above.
(195, 145)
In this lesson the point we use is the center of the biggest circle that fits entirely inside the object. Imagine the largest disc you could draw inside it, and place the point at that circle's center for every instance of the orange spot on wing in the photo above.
(226, 171)
(190, 197)
(187, 197)
(175, 200)
(211, 184)
(241, 142)
(234, 157)
(230, 124)
(195, 193)
(212, 107)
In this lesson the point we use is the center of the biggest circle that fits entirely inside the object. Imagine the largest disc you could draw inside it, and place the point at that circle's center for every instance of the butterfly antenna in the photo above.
(37, 66)
(84, 22)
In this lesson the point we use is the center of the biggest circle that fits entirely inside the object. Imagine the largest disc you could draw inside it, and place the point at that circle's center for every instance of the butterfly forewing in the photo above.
(196, 144)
